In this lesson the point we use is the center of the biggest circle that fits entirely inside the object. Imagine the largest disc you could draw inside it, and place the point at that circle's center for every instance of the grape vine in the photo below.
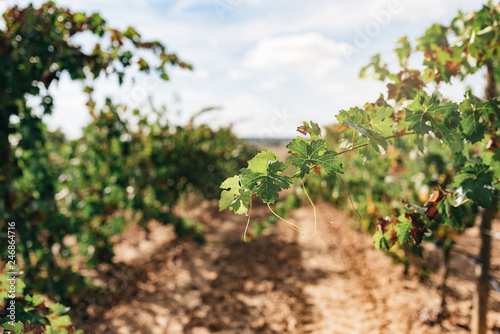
(414, 113)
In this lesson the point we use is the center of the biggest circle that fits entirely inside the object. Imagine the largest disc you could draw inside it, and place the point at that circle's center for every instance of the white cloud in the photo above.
(306, 53)
(254, 62)
(197, 73)
(443, 10)
(272, 83)
(237, 74)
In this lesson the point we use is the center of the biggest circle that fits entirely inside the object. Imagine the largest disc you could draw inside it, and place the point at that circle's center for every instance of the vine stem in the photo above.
(292, 225)
(314, 208)
(248, 221)
(353, 139)
(468, 199)
(350, 198)
(365, 144)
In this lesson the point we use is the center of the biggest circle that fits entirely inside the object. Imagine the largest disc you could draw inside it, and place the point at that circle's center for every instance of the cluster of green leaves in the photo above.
(32, 314)
(415, 119)
(36, 47)
(40, 224)
(114, 174)
(265, 176)
(92, 187)
(469, 129)
(377, 186)
(411, 167)
(69, 199)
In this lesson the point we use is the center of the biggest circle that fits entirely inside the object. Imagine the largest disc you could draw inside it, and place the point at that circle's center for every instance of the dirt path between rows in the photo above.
(282, 282)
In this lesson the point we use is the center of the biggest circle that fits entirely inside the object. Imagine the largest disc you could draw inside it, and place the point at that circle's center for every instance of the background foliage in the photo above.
(70, 199)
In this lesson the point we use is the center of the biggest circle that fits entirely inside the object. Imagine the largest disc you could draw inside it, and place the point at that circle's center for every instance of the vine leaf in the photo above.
(383, 223)
(491, 112)
(380, 240)
(356, 115)
(473, 126)
(17, 328)
(404, 51)
(376, 140)
(234, 197)
(386, 235)
(426, 113)
(451, 215)
(378, 68)
(403, 230)
(475, 181)
(307, 156)
(418, 227)
(381, 120)
(394, 236)
(310, 128)
(406, 84)
(263, 176)
(261, 161)
(492, 156)
(38, 328)
(432, 211)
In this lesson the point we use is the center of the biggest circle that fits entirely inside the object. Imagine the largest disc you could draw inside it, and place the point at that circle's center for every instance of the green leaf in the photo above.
(234, 197)
(58, 308)
(310, 128)
(131, 34)
(314, 129)
(404, 51)
(263, 176)
(492, 158)
(270, 186)
(403, 230)
(306, 155)
(372, 123)
(418, 121)
(380, 241)
(260, 162)
(435, 34)
(378, 69)
(381, 120)
(353, 115)
(473, 126)
(34, 300)
(300, 151)
(18, 327)
(4, 283)
(376, 140)
(476, 182)
(405, 85)
(330, 162)
(79, 17)
(58, 322)
(365, 132)
(491, 112)
(444, 132)
(451, 215)
(426, 113)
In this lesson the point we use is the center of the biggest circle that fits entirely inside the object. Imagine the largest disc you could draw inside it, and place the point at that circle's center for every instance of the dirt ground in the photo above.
(283, 282)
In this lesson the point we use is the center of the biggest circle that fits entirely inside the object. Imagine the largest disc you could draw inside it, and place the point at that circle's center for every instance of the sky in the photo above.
(268, 65)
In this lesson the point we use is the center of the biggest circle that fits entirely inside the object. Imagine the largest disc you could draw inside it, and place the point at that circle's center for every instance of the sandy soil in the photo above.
(282, 282)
